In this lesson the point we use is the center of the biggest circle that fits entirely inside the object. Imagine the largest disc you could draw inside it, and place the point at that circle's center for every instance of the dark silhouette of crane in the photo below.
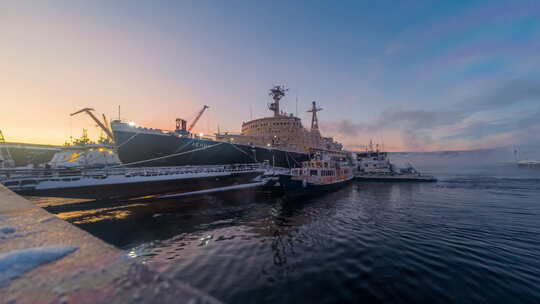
(103, 125)
(6, 161)
(194, 122)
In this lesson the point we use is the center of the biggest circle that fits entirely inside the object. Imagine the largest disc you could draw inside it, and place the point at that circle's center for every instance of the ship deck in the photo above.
(120, 181)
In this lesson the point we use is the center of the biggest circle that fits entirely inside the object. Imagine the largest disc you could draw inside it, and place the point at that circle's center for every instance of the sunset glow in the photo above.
(412, 77)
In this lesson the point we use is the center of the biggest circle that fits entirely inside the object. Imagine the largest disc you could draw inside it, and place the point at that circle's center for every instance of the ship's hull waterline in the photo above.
(142, 149)
(143, 187)
(294, 188)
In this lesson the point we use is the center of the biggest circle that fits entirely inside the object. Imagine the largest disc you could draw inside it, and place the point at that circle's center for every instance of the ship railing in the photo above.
(33, 176)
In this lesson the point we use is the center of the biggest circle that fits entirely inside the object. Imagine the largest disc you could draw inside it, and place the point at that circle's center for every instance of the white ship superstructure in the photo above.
(375, 165)
(282, 130)
(87, 156)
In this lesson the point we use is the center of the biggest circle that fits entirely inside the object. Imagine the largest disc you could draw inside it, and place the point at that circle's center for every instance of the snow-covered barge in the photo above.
(122, 182)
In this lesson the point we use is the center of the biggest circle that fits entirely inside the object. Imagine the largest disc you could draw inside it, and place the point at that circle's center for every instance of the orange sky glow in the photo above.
(59, 57)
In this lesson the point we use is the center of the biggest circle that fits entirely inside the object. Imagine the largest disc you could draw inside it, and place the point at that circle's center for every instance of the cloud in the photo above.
(390, 119)
(419, 129)
(510, 93)
(480, 129)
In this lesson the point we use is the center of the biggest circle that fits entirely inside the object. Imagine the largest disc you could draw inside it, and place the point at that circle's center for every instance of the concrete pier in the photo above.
(44, 259)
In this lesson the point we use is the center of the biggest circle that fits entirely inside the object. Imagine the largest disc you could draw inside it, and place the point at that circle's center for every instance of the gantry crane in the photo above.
(6, 161)
(194, 122)
(103, 125)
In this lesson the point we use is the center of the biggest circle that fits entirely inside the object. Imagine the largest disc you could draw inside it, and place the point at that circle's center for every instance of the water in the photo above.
(472, 237)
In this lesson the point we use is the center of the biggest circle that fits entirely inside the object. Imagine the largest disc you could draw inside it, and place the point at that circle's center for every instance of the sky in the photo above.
(410, 75)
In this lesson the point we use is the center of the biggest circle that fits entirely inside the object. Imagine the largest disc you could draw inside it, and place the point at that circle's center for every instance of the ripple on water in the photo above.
(468, 238)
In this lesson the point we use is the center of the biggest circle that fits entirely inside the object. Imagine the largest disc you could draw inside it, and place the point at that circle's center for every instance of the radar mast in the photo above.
(314, 119)
(277, 93)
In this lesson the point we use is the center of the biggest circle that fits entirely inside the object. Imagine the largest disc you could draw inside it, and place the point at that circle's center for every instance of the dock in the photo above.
(44, 259)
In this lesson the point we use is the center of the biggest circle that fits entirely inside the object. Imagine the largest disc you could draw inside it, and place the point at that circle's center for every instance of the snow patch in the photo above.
(7, 230)
(17, 262)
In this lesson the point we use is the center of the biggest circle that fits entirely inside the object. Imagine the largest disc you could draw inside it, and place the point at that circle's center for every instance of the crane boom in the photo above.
(192, 125)
(106, 122)
(97, 121)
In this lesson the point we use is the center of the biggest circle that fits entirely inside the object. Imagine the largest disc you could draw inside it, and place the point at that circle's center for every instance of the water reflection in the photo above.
(368, 242)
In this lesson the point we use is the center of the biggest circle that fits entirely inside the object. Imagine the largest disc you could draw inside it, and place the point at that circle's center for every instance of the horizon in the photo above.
(417, 77)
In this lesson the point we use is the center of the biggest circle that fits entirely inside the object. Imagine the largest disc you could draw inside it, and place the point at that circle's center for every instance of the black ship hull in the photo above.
(142, 149)
(143, 188)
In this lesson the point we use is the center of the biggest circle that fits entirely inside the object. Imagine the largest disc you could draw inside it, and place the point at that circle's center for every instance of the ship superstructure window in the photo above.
(313, 172)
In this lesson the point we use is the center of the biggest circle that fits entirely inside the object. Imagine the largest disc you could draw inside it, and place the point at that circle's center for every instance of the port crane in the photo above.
(5, 157)
(103, 125)
(194, 122)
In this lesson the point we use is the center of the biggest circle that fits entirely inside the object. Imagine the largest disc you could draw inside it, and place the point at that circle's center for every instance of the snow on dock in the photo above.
(52, 261)
(14, 263)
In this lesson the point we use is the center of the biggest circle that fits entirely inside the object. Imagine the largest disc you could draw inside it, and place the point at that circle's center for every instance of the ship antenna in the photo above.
(314, 119)
(296, 105)
(250, 112)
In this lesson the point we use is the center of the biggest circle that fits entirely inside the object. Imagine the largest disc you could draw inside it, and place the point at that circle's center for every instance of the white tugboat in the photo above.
(374, 165)
(326, 171)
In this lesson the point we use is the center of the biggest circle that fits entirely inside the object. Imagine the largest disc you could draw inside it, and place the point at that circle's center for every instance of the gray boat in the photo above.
(374, 165)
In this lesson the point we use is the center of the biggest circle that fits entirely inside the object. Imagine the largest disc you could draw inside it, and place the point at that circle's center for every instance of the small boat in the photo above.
(526, 164)
(324, 172)
(529, 164)
(374, 165)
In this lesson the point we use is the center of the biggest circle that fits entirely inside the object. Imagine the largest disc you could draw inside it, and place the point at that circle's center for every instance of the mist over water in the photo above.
(467, 162)
(472, 237)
